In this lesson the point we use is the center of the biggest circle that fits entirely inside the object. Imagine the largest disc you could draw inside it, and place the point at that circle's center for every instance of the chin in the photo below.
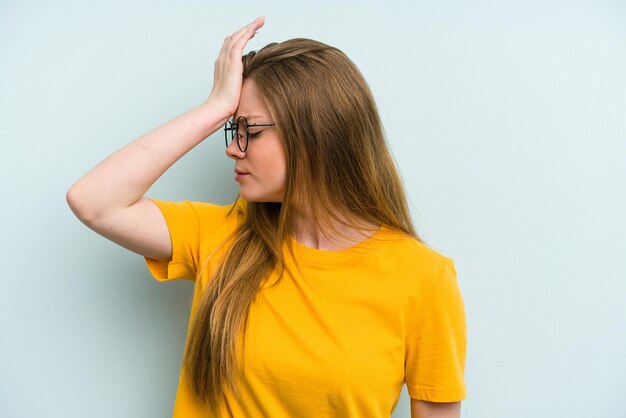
(258, 197)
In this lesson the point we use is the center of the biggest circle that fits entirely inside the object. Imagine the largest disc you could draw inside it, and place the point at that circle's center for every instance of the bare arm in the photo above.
(109, 198)
(423, 409)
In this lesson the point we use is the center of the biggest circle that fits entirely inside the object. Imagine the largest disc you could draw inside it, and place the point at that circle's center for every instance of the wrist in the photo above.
(217, 108)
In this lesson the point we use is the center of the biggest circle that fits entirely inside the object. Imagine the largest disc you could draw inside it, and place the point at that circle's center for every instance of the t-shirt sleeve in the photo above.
(188, 223)
(436, 346)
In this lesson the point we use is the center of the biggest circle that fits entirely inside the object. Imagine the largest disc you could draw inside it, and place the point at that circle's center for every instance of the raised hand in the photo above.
(228, 73)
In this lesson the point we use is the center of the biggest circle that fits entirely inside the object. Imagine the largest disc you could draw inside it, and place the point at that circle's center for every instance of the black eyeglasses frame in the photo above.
(230, 126)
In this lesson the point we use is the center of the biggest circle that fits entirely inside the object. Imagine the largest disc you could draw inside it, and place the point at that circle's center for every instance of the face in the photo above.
(261, 169)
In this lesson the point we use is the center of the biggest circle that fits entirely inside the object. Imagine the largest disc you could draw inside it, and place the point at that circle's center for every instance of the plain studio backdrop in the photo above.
(507, 120)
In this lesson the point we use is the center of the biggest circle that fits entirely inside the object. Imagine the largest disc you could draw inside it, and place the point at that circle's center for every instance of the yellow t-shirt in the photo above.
(340, 336)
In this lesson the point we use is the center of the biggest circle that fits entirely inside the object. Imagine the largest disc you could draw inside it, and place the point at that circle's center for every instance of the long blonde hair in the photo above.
(338, 165)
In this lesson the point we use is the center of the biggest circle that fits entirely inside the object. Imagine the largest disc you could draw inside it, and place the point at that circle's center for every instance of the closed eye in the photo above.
(254, 134)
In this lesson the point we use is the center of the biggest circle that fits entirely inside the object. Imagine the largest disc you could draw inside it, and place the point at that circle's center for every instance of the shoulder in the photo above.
(410, 251)
(201, 218)
(202, 210)
(415, 262)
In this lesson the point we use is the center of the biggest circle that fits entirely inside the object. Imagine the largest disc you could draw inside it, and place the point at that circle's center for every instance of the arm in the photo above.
(109, 198)
(423, 409)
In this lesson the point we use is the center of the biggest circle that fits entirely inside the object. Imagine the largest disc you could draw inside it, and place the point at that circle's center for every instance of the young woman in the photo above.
(314, 296)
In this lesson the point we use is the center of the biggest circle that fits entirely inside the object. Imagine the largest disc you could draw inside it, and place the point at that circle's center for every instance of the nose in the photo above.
(233, 151)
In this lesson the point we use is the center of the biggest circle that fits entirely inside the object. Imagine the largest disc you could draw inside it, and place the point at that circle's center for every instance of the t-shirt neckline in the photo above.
(343, 256)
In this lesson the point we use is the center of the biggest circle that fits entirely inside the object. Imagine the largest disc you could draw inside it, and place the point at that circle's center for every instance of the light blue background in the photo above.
(507, 120)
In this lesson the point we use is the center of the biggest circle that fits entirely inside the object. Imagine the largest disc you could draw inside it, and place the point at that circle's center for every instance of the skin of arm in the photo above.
(423, 409)
(109, 198)
(122, 178)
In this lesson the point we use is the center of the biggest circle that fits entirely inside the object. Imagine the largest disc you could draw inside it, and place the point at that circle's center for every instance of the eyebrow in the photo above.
(248, 118)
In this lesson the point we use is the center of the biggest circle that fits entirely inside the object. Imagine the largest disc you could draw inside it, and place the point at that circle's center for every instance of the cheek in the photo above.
(276, 163)
(278, 176)
(271, 176)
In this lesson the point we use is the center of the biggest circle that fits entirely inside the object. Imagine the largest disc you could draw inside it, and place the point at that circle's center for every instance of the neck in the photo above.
(336, 236)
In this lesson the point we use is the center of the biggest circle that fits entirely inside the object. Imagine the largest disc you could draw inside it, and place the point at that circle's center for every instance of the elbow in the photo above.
(79, 204)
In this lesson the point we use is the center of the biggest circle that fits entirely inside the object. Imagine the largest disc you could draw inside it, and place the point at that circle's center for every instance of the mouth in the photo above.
(240, 174)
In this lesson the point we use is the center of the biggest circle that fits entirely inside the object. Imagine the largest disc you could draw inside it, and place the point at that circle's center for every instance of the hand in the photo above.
(228, 73)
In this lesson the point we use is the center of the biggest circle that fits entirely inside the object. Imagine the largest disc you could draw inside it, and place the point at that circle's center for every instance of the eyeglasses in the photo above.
(240, 130)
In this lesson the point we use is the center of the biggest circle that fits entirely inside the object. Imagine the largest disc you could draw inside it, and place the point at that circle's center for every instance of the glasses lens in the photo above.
(228, 133)
(242, 133)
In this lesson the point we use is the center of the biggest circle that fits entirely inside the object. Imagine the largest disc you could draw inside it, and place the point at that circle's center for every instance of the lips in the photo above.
(240, 174)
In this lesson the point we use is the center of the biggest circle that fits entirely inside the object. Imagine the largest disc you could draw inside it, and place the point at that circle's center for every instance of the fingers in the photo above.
(246, 30)
(252, 26)
(234, 44)
(228, 68)
(239, 39)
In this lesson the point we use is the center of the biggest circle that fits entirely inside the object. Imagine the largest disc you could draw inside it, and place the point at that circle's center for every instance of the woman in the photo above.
(313, 297)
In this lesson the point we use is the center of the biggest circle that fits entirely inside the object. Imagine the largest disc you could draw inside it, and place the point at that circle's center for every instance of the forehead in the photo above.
(251, 105)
